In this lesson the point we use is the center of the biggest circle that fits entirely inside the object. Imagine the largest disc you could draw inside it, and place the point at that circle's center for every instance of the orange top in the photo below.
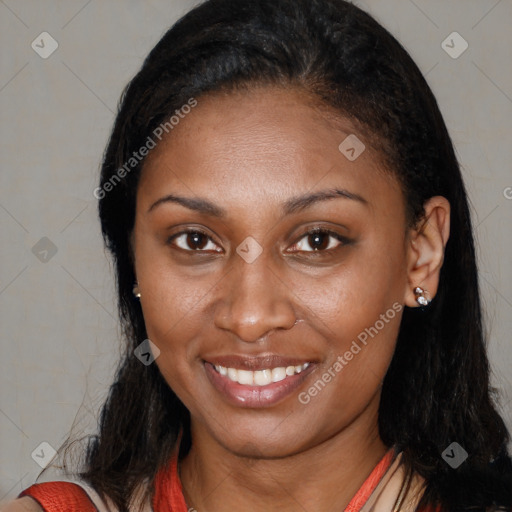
(69, 497)
(169, 490)
(60, 497)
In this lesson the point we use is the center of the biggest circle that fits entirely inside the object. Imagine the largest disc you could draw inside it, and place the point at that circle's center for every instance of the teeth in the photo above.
(245, 377)
(232, 374)
(278, 374)
(260, 377)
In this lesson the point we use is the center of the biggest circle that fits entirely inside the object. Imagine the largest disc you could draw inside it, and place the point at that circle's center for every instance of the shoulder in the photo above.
(25, 504)
(56, 496)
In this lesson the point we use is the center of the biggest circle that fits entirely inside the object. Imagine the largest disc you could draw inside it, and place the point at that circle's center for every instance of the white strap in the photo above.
(100, 504)
(385, 495)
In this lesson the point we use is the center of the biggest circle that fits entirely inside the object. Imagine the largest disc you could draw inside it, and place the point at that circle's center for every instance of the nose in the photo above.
(254, 302)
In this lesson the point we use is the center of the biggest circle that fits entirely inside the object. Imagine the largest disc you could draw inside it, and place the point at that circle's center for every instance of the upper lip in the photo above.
(255, 363)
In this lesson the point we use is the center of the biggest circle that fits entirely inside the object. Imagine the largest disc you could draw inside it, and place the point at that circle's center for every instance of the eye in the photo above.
(319, 240)
(194, 241)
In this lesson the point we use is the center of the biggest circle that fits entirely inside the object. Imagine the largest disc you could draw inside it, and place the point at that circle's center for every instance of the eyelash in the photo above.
(343, 240)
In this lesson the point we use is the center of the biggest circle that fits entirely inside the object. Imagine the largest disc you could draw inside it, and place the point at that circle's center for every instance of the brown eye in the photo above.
(194, 240)
(319, 240)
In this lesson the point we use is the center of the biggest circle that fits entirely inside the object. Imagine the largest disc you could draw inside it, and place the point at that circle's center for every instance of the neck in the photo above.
(324, 477)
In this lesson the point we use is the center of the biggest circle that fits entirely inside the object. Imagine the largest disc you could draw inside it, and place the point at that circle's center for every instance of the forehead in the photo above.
(261, 142)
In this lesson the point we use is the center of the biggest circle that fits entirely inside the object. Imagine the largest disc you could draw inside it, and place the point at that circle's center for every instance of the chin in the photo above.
(266, 440)
(261, 448)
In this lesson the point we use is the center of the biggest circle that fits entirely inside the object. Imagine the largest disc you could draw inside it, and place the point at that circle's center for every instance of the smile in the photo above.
(264, 386)
(260, 377)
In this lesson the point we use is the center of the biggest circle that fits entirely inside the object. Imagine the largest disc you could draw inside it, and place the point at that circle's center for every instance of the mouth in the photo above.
(260, 377)
(265, 386)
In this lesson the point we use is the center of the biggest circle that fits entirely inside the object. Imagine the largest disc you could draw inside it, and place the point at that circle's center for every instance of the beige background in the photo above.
(59, 334)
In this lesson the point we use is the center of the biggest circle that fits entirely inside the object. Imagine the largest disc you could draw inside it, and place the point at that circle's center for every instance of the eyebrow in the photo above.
(292, 205)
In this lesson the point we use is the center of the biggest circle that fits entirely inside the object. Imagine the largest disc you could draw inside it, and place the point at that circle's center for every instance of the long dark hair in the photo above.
(437, 388)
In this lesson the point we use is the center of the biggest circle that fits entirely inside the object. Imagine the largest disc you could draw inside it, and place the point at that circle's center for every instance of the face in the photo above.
(272, 270)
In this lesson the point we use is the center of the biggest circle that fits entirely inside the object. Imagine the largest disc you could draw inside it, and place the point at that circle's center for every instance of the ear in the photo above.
(425, 249)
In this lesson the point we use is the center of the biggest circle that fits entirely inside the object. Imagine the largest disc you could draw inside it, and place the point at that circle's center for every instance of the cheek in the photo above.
(358, 309)
(360, 329)
(171, 301)
(172, 308)
(172, 315)
(344, 300)
(352, 296)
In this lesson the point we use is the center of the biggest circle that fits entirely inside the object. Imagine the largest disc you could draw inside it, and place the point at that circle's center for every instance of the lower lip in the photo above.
(255, 396)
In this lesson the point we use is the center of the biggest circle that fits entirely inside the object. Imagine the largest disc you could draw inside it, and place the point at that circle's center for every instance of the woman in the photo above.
(291, 231)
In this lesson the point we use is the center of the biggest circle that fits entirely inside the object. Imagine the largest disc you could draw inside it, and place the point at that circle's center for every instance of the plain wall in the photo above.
(60, 339)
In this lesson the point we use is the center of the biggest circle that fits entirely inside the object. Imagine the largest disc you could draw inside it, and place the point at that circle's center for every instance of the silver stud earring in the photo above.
(422, 297)
(136, 291)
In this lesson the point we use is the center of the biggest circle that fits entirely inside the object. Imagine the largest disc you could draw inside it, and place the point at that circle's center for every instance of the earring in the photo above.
(422, 297)
(136, 290)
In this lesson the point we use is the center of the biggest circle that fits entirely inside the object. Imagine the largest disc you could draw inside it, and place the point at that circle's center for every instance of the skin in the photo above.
(249, 153)
(25, 504)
